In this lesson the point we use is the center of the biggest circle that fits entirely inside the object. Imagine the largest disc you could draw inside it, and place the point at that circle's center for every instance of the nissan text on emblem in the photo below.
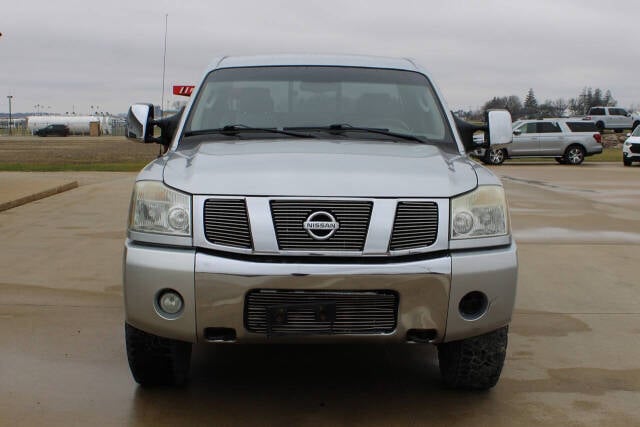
(321, 225)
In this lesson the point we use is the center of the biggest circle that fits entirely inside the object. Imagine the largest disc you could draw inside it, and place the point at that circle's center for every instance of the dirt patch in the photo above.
(74, 150)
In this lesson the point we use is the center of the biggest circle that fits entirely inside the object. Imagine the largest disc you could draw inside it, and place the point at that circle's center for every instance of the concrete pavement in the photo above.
(572, 357)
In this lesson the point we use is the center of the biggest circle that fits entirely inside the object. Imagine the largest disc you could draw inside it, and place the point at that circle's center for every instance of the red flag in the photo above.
(183, 90)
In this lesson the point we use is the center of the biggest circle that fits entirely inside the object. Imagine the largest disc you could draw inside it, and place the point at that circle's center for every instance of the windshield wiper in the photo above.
(239, 128)
(345, 127)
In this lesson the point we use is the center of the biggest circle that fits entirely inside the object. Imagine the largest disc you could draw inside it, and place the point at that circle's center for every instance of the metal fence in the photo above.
(117, 128)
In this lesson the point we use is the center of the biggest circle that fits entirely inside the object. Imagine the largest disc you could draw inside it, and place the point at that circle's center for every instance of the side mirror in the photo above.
(517, 132)
(628, 135)
(466, 131)
(140, 122)
(168, 127)
(140, 125)
(500, 129)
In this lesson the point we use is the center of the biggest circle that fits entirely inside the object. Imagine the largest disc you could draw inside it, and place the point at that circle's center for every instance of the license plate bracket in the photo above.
(281, 314)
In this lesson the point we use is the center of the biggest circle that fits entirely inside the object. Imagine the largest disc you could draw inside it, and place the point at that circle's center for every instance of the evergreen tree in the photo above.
(589, 99)
(531, 104)
(530, 100)
(597, 98)
(608, 100)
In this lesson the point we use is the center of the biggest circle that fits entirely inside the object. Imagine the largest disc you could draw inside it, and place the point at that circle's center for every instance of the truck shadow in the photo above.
(295, 384)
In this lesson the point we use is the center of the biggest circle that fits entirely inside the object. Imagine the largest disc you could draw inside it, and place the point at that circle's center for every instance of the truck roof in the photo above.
(314, 60)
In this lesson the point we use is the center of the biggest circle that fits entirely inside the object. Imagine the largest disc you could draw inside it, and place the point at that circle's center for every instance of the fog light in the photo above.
(170, 302)
(473, 305)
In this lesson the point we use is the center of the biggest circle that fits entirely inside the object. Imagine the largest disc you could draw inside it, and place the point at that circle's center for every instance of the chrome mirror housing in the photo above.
(140, 122)
(500, 129)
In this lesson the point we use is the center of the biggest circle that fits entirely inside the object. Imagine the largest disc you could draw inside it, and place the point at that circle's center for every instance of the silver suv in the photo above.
(568, 141)
(317, 199)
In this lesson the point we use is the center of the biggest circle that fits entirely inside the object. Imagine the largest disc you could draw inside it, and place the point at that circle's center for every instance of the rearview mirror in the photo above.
(140, 122)
(500, 128)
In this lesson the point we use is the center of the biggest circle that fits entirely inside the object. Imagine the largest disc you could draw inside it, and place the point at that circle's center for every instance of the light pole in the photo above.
(9, 97)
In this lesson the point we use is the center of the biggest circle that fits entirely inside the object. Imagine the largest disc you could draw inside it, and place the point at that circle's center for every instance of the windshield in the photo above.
(636, 131)
(311, 96)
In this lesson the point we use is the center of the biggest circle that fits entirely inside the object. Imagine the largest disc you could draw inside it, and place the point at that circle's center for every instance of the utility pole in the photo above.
(9, 97)
(164, 63)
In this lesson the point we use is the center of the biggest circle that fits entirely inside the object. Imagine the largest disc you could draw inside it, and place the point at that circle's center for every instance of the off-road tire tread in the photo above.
(473, 363)
(155, 360)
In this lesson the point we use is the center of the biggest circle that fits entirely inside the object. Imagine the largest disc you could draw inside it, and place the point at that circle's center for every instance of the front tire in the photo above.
(626, 162)
(155, 360)
(494, 157)
(574, 155)
(473, 363)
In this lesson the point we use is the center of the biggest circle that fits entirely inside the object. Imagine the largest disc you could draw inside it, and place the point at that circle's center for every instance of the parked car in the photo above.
(568, 141)
(614, 118)
(631, 148)
(317, 199)
(54, 130)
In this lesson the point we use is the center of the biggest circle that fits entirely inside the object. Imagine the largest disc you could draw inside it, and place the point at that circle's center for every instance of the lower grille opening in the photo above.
(288, 312)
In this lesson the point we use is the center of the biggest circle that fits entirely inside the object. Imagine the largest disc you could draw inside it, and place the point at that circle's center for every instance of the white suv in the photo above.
(631, 148)
(612, 118)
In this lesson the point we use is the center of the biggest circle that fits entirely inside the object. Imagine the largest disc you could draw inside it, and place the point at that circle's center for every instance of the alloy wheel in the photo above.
(575, 156)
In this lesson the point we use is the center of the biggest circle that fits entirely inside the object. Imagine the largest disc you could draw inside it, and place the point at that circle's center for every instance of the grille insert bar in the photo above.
(356, 312)
(415, 225)
(353, 218)
(226, 223)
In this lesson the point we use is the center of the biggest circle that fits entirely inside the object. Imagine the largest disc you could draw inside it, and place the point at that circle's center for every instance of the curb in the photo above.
(37, 196)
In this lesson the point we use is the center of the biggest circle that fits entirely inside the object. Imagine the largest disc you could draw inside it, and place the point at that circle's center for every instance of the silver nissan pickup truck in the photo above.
(318, 199)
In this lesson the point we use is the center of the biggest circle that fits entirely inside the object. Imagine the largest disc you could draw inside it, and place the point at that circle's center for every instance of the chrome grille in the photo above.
(289, 216)
(356, 312)
(226, 223)
(415, 225)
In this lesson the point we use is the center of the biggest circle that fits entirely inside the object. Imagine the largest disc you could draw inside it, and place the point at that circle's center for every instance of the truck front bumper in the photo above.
(214, 288)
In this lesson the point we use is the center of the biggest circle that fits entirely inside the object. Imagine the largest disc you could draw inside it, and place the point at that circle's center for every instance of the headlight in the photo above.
(156, 208)
(481, 213)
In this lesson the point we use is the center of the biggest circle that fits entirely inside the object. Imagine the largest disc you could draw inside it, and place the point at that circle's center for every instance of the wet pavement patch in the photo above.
(542, 324)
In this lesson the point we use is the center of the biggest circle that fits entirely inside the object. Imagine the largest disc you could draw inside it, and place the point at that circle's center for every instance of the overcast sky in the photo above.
(71, 54)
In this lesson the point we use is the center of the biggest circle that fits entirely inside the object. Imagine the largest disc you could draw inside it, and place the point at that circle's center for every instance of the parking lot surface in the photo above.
(572, 357)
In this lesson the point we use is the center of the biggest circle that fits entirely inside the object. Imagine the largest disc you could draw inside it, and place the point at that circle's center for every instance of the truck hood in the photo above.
(319, 168)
